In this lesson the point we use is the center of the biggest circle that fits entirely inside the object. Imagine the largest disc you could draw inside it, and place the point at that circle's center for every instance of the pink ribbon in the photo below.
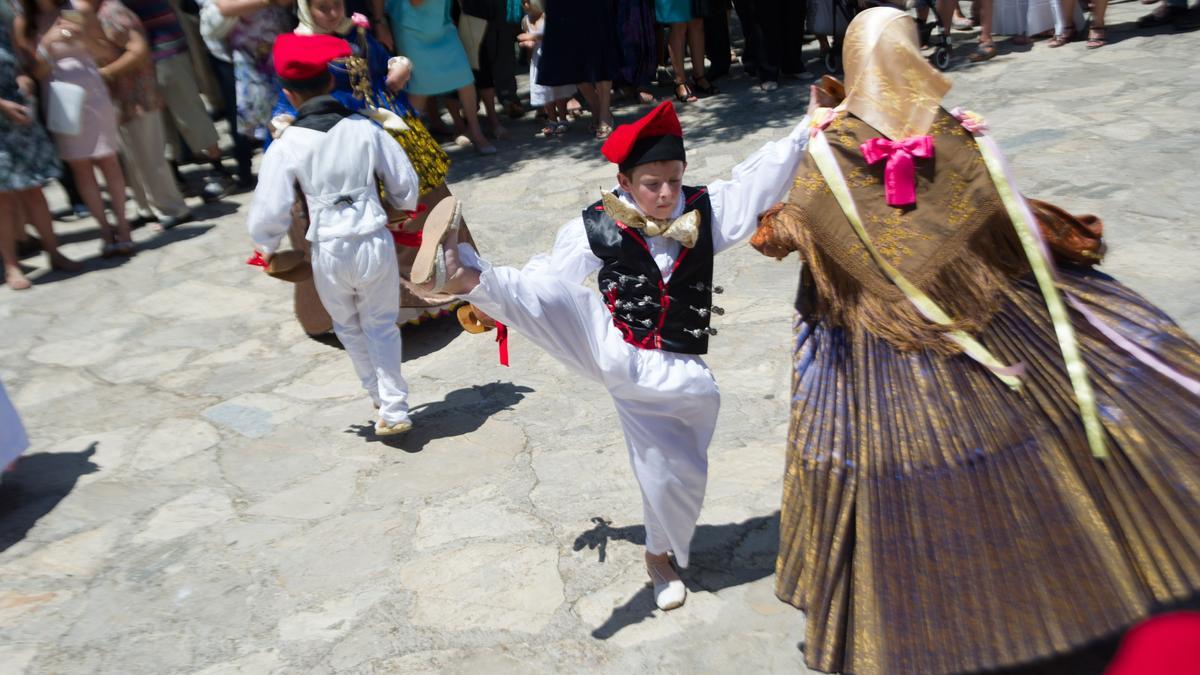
(900, 175)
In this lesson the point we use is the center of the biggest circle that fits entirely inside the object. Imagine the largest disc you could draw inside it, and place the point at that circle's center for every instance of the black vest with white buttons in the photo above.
(653, 313)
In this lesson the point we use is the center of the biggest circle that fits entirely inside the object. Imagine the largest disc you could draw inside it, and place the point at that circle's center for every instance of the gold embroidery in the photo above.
(890, 235)
(861, 177)
(811, 182)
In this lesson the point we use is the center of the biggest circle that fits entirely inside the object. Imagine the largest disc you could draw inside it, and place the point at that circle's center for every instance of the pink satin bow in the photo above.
(900, 175)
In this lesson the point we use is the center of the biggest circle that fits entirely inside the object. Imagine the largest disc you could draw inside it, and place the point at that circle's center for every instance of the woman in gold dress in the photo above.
(993, 458)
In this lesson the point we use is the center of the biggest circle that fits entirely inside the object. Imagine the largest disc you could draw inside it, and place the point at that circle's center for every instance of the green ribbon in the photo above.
(1026, 227)
(822, 154)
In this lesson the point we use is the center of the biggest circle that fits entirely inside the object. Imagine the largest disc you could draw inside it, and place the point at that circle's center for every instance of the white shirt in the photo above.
(757, 184)
(338, 172)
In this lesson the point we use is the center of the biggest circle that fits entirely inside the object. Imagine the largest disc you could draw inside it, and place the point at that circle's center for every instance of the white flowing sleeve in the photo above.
(757, 184)
(271, 207)
(571, 259)
(400, 182)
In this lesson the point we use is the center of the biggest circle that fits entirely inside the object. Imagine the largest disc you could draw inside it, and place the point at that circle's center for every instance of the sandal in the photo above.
(1060, 40)
(703, 87)
(1097, 37)
(984, 52)
(430, 263)
(560, 128)
(603, 130)
(687, 96)
(550, 129)
(124, 248)
(1021, 40)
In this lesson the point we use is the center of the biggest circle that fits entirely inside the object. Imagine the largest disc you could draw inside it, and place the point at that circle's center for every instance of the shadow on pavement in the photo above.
(96, 263)
(722, 556)
(461, 412)
(35, 486)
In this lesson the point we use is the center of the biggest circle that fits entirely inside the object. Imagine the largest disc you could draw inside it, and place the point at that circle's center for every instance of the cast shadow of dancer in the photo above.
(722, 556)
(35, 486)
(461, 412)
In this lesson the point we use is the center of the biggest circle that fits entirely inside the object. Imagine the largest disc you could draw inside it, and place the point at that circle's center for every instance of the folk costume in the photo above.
(994, 456)
(643, 337)
(360, 85)
(338, 159)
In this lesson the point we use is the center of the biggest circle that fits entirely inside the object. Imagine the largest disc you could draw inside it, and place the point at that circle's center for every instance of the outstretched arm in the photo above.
(758, 183)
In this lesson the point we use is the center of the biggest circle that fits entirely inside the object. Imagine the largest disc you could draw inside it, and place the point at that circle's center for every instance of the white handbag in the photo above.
(64, 108)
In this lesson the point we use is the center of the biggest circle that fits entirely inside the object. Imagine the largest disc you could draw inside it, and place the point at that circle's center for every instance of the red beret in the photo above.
(303, 57)
(1165, 644)
(657, 136)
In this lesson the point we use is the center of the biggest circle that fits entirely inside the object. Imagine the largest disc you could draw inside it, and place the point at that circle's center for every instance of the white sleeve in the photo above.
(571, 259)
(400, 181)
(757, 184)
(270, 214)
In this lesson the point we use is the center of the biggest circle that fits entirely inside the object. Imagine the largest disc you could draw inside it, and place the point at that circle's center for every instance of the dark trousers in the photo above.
(773, 30)
(716, 39)
(243, 150)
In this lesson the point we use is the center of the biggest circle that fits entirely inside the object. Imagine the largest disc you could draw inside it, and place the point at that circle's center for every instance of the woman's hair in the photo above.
(30, 9)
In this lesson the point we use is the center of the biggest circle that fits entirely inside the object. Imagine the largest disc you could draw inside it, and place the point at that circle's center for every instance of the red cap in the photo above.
(1168, 644)
(631, 144)
(303, 57)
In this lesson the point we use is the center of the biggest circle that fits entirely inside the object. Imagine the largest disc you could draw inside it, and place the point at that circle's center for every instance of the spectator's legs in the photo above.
(716, 39)
(470, 112)
(243, 151)
(13, 276)
(38, 212)
(675, 45)
(85, 179)
(114, 181)
(695, 38)
(599, 99)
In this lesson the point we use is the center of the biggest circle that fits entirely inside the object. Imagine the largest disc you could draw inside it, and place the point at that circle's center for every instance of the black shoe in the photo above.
(1188, 19)
(1164, 15)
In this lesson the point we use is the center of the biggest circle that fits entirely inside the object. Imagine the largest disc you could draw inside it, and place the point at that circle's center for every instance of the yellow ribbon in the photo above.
(821, 153)
(1025, 224)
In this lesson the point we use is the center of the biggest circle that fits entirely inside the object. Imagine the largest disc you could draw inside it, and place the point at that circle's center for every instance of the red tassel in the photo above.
(257, 260)
(502, 340)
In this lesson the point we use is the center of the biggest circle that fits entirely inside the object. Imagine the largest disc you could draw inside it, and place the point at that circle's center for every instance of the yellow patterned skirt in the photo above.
(934, 521)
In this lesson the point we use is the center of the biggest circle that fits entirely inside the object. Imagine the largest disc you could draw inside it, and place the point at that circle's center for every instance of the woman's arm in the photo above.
(124, 34)
(38, 63)
(240, 8)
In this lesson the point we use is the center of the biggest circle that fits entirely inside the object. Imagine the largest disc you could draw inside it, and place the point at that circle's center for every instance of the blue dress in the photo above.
(673, 11)
(353, 84)
(427, 36)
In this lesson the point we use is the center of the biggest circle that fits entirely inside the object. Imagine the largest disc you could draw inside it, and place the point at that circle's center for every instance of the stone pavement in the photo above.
(203, 495)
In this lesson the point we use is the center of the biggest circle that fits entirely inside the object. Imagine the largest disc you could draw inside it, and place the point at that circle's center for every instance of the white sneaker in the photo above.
(669, 591)
(383, 428)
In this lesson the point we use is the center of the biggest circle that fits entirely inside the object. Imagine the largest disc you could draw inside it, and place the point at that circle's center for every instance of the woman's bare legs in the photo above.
(83, 171)
(13, 276)
(38, 212)
(114, 180)
(470, 112)
(675, 40)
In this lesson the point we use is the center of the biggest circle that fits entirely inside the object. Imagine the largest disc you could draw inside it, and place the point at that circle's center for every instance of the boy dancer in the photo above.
(652, 241)
(337, 159)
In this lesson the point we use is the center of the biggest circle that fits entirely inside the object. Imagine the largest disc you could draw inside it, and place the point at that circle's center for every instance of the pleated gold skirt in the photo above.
(934, 521)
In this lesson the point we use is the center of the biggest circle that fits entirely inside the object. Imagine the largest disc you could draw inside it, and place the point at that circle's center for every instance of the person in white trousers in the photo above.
(337, 159)
(652, 241)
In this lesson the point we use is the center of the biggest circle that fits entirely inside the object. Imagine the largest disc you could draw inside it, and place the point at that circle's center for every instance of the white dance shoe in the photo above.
(383, 428)
(669, 591)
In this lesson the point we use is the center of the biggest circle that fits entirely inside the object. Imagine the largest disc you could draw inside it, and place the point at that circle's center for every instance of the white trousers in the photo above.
(666, 402)
(358, 281)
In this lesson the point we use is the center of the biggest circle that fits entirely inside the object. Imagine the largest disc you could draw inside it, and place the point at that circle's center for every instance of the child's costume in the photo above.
(643, 336)
(993, 458)
(360, 83)
(337, 160)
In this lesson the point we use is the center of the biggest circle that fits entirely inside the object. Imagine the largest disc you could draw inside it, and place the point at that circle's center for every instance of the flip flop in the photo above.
(430, 263)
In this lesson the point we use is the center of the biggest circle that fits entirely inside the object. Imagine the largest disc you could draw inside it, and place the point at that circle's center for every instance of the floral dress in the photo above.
(250, 41)
(27, 157)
